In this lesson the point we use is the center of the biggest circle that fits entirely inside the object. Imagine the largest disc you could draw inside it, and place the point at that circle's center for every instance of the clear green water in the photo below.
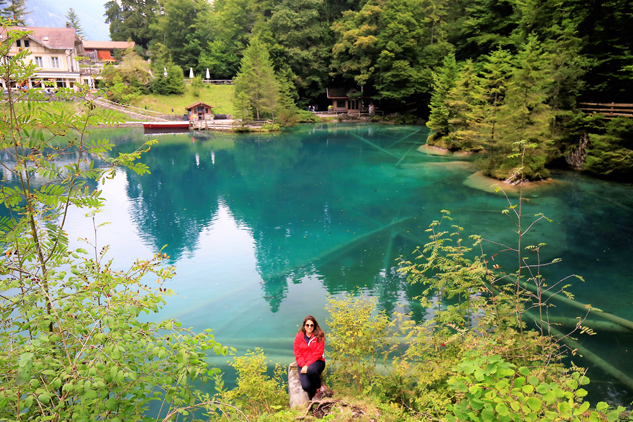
(262, 228)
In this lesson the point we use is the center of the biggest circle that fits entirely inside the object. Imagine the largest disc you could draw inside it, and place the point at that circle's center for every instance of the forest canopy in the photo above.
(556, 53)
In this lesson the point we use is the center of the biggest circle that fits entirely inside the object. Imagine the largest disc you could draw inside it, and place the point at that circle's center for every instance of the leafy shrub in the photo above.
(271, 127)
(196, 86)
(128, 80)
(308, 117)
(256, 393)
(610, 153)
(490, 389)
(173, 84)
(288, 116)
(356, 339)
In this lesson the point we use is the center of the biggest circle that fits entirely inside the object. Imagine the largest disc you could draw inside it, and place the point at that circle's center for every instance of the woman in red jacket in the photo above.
(309, 347)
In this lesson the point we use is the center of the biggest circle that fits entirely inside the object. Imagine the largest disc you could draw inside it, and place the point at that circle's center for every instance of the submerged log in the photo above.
(298, 396)
(592, 357)
(598, 326)
(337, 251)
(564, 299)
(376, 146)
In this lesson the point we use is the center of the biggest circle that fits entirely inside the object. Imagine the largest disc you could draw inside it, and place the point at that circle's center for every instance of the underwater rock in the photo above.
(487, 184)
(431, 150)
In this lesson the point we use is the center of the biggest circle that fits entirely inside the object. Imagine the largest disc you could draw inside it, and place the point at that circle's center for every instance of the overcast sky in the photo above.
(51, 13)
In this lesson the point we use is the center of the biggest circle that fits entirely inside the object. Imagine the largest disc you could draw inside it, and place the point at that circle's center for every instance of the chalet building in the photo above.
(54, 51)
(346, 100)
(199, 111)
(104, 50)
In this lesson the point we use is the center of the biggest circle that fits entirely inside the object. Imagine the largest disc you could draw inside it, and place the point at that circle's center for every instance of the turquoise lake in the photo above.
(262, 228)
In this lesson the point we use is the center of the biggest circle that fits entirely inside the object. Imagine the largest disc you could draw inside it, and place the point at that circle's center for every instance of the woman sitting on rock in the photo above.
(309, 347)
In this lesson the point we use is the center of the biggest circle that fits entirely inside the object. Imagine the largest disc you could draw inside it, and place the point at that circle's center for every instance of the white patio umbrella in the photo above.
(191, 72)
(208, 76)
(164, 71)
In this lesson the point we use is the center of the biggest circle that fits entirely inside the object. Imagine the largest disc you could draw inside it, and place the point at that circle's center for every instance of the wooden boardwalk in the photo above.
(223, 125)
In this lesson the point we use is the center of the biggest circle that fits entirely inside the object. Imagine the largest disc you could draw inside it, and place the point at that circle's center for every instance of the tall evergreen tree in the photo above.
(242, 107)
(489, 96)
(526, 115)
(73, 22)
(114, 18)
(15, 11)
(443, 82)
(462, 105)
(257, 79)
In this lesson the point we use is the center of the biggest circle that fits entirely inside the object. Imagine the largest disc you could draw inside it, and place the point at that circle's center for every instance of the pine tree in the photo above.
(462, 105)
(526, 115)
(257, 79)
(73, 22)
(435, 12)
(15, 12)
(444, 82)
(489, 95)
(242, 107)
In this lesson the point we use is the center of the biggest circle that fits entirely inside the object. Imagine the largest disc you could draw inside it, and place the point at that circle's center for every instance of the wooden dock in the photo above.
(227, 125)
(222, 125)
(608, 110)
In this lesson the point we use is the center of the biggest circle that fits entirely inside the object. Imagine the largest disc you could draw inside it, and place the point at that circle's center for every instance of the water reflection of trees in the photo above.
(173, 204)
(280, 189)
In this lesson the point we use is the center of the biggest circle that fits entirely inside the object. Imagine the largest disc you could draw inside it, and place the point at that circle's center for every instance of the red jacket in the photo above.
(308, 353)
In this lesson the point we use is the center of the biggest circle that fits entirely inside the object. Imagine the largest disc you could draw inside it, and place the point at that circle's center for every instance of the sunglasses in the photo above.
(309, 325)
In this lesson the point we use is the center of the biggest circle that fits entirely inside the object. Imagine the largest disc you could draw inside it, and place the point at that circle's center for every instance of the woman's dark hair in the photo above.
(318, 332)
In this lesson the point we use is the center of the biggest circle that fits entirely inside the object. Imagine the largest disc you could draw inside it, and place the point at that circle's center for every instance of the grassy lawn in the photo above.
(219, 97)
(56, 107)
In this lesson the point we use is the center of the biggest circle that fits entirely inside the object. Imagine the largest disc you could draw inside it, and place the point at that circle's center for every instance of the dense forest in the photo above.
(485, 73)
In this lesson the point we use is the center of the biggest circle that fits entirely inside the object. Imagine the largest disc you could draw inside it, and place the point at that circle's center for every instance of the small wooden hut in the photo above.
(346, 100)
(200, 111)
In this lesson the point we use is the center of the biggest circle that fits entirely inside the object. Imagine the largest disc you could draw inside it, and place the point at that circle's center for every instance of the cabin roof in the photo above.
(340, 93)
(196, 104)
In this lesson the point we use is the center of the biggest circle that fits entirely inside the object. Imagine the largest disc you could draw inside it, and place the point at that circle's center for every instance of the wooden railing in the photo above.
(609, 110)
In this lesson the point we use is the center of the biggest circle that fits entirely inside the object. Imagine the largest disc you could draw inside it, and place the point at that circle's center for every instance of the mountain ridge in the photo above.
(48, 13)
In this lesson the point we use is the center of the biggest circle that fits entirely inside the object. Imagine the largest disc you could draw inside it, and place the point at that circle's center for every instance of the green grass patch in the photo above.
(220, 97)
(59, 107)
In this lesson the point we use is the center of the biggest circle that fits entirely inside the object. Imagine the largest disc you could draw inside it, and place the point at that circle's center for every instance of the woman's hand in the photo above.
(304, 370)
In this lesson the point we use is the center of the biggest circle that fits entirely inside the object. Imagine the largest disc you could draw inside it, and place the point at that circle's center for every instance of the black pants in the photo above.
(311, 381)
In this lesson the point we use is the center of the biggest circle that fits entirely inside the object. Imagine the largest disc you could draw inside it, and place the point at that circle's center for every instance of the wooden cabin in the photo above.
(104, 50)
(199, 111)
(346, 100)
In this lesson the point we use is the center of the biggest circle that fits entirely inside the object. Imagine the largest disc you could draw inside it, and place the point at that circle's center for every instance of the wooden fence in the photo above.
(609, 110)
(187, 81)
